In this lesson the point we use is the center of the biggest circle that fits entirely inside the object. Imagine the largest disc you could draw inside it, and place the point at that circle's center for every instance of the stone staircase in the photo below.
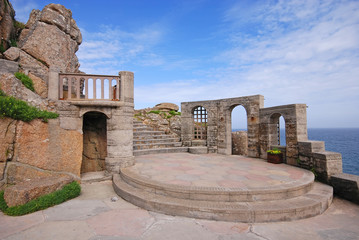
(148, 141)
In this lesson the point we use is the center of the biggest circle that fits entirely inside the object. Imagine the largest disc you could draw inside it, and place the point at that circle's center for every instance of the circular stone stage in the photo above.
(221, 187)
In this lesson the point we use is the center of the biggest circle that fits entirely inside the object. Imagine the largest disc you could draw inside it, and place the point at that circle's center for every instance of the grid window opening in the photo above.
(200, 123)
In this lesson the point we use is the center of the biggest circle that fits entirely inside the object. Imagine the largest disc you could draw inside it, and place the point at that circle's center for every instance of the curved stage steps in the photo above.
(291, 200)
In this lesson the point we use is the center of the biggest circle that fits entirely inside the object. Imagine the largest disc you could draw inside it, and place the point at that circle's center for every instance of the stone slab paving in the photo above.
(96, 217)
(214, 170)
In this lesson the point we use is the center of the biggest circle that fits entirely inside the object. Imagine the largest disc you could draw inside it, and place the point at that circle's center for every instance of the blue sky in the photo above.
(289, 51)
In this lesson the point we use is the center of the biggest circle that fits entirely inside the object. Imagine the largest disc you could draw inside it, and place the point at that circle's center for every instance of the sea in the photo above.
(342, 140)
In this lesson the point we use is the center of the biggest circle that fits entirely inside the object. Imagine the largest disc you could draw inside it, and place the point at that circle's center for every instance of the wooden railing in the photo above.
(73, 86)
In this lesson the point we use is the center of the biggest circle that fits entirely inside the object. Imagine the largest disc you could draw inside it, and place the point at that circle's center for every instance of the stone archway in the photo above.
(94, 142)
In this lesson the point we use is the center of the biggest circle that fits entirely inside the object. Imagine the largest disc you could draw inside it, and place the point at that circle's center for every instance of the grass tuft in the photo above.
(68, 192)
(26, 80)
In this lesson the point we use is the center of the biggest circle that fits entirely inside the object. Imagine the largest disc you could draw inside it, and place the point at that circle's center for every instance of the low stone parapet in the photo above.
(346, 186)
(198, 150)
(24, 192)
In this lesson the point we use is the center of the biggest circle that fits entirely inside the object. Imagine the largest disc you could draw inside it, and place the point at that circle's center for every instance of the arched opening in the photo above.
(239, 131)
(94, 142)
(200, 123)
(277, 130)
(277, 136)
(281, 132)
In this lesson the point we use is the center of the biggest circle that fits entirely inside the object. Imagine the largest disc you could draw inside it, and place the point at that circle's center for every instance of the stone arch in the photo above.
(94, 142)
(239, 142)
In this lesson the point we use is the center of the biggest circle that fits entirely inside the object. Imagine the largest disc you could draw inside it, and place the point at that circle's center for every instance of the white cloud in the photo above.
(104, 51)
(302, 52)
(23, 9)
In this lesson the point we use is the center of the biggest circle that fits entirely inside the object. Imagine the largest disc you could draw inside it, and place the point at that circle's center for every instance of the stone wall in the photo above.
(219, 126)
(295, 117)
(313, 156)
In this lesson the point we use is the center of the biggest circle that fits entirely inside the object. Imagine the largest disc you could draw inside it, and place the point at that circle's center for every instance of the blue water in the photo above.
(342, 140)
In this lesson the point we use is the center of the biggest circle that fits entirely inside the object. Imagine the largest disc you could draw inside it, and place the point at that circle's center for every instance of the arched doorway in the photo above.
(94, 142)
(239, 131)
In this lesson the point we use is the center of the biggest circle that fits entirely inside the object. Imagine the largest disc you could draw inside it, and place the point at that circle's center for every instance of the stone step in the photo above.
(285, 191)
(151, 132)
(160, 150)
(138, 137)
(142, 128)
(313, 203)
(156, 145)
(168, 139)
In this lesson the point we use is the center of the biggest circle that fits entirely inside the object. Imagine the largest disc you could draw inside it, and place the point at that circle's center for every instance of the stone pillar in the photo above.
(127, 83)
(186, 125)
(120, 128)
(53, 88)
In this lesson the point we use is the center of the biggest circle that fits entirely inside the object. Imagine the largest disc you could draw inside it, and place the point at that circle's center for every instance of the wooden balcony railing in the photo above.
(73, 86)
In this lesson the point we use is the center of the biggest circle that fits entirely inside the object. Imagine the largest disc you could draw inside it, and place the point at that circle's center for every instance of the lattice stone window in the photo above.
(200, 123)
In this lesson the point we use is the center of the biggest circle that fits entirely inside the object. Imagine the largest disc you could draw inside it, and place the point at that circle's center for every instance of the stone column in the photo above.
(53, 88)
(120, 128)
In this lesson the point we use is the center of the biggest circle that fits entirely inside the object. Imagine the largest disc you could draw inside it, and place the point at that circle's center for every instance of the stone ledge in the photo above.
(24, 192)
(346, 186)
(198, 150)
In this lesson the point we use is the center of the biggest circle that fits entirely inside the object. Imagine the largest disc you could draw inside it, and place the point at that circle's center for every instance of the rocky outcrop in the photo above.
(52, 37)
(167, 120)
(166, 107)
(7, 20)
(26, 191)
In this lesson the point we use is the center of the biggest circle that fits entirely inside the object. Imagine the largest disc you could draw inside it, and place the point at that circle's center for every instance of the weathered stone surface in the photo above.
(30, 64)
(12, 54)
(50, 34)
(39, 85)
(48, 147)
(7, 19)
(7, 66)
(22, 193)
(166, 107)
(7, 138)
(2, 170)
(240, 143)
(13, 87)
(346, 186)
(17, 173)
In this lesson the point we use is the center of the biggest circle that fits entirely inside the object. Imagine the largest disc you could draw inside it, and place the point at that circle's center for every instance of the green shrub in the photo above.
(68, 192)
(26, 80)
(155, 111)
(2, 48)
(20, 110)
(19, 25)
(174, 113)
(13, 43)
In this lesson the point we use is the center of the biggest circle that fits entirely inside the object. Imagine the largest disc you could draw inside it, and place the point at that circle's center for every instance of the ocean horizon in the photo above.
(341, 140)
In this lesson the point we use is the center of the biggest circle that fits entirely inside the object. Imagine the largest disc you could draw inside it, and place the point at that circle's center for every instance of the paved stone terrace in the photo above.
(93, 216)
(214, 170)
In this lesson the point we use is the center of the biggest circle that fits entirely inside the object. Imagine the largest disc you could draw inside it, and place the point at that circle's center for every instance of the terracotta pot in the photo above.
(275, 158)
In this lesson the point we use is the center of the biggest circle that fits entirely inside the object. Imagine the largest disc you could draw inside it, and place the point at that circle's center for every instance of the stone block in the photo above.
(7, 66)
(306, 148)
(198, 150)
(12, 53)
(22, 193)
(346, 186)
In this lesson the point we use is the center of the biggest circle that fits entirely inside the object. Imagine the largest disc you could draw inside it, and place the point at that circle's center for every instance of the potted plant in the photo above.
(274, 156)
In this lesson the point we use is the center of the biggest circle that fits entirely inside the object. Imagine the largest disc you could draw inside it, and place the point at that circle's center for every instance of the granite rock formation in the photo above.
(7, 20)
